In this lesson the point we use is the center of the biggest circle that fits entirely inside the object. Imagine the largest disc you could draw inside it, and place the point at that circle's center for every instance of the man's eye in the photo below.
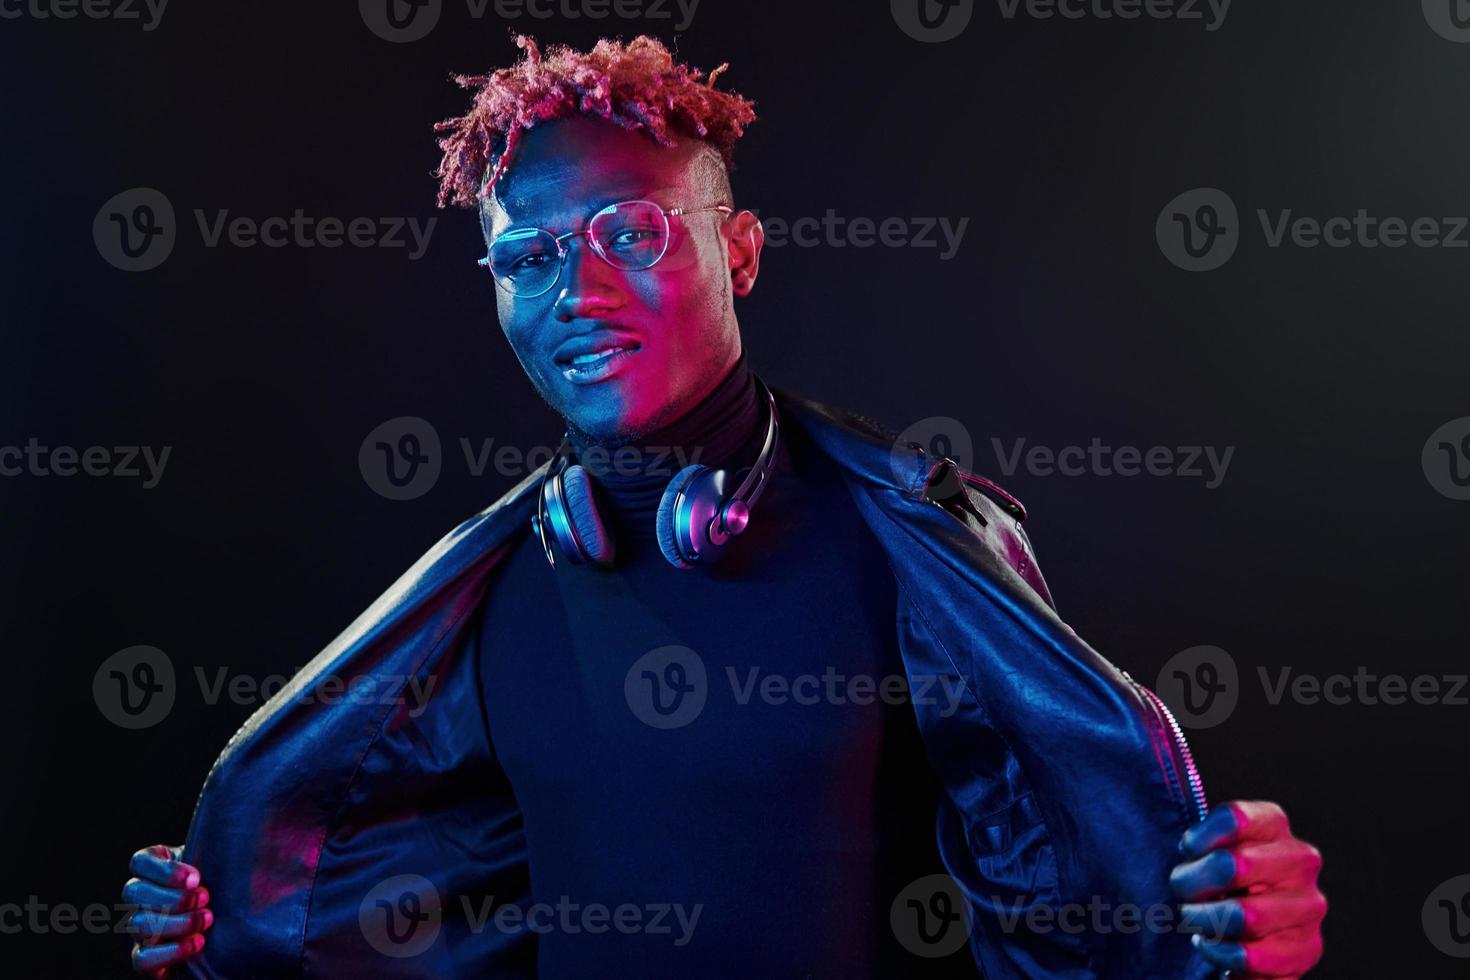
(630, 237)
(535, 260)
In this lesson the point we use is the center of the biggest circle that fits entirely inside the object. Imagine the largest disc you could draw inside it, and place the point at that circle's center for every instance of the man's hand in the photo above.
(171, 916)
(1251, 893)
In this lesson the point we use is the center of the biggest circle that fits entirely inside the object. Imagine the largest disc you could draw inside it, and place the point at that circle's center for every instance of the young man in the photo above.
(603, 780)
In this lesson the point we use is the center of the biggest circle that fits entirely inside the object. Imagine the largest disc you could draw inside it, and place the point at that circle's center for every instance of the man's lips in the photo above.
(596, 342)
(599, 368)
(596, 356)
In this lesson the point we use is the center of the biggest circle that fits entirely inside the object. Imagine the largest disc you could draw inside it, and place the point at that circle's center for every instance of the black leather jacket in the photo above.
(1067, 784)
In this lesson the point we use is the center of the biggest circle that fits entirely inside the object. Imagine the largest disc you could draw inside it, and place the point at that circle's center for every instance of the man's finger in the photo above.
(156, 898)
(1214, 920)
(1284, 954)
(1240, 822)
(153, 926)
(1286, 863)
(1278, 865)
(1254, 916)
(155, 959)
(1207, 878)
(158, 865)
(1227, 956)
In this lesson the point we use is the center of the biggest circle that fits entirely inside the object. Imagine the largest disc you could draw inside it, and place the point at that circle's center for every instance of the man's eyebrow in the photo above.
(525, 208)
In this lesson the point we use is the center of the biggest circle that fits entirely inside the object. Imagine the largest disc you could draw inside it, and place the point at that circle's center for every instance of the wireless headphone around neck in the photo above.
(696, 518)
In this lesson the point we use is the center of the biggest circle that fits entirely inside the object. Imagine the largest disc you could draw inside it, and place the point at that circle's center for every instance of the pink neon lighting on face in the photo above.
(674, 319)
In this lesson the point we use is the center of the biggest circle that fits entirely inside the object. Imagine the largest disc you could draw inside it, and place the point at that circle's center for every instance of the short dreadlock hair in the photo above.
(636, 85)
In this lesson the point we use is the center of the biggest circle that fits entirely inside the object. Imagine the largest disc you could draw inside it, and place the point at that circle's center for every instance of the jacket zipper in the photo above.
(1179, 755)
(1195, 792)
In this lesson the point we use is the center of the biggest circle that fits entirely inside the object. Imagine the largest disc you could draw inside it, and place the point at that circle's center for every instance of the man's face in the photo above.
(674, 323)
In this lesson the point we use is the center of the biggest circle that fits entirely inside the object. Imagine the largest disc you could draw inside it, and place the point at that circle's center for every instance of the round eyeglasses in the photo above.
(629, 235)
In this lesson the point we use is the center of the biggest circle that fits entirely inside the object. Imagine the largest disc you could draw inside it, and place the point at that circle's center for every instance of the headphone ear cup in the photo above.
(664, 522)
(597, 543)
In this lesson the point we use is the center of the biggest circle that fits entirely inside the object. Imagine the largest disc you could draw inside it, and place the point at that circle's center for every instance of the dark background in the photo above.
(1325, 549)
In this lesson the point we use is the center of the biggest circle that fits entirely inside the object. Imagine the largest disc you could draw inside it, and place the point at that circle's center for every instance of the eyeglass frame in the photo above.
(562, 251)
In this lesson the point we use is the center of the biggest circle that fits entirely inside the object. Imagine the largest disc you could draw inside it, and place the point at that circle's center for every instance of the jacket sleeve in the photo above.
(1065, 788)
(359, 824)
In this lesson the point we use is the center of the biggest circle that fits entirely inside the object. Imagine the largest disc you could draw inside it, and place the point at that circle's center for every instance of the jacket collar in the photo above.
(866, 449)
(863, 447)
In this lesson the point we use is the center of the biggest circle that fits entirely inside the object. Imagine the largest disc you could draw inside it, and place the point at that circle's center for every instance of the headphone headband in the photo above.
(552, 477)
(754, 484)
(696, 517)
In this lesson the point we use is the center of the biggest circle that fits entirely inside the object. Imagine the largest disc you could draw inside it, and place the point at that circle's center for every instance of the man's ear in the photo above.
(747, 238)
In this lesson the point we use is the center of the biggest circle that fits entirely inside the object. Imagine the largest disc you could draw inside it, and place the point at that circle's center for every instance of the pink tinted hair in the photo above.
(636, 85)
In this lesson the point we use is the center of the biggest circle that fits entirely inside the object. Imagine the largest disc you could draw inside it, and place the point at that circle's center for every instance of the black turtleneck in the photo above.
(777, 797)
(724, 429)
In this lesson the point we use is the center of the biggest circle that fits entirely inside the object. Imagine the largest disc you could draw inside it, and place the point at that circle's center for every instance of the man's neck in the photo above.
(722, 429)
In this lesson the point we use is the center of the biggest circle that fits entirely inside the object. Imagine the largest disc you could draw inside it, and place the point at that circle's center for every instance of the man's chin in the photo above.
(616, 411)
(604, 418)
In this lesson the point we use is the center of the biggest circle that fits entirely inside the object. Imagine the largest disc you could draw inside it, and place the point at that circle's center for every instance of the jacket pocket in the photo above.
(1007, 867)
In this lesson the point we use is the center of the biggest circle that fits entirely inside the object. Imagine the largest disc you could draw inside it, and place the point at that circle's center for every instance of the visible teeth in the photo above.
(596, 356)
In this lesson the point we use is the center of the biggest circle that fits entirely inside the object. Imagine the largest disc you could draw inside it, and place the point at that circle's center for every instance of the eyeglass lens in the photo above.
(630, 236)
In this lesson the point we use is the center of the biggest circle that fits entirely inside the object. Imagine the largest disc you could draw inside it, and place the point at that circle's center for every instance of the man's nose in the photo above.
(589, 285)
